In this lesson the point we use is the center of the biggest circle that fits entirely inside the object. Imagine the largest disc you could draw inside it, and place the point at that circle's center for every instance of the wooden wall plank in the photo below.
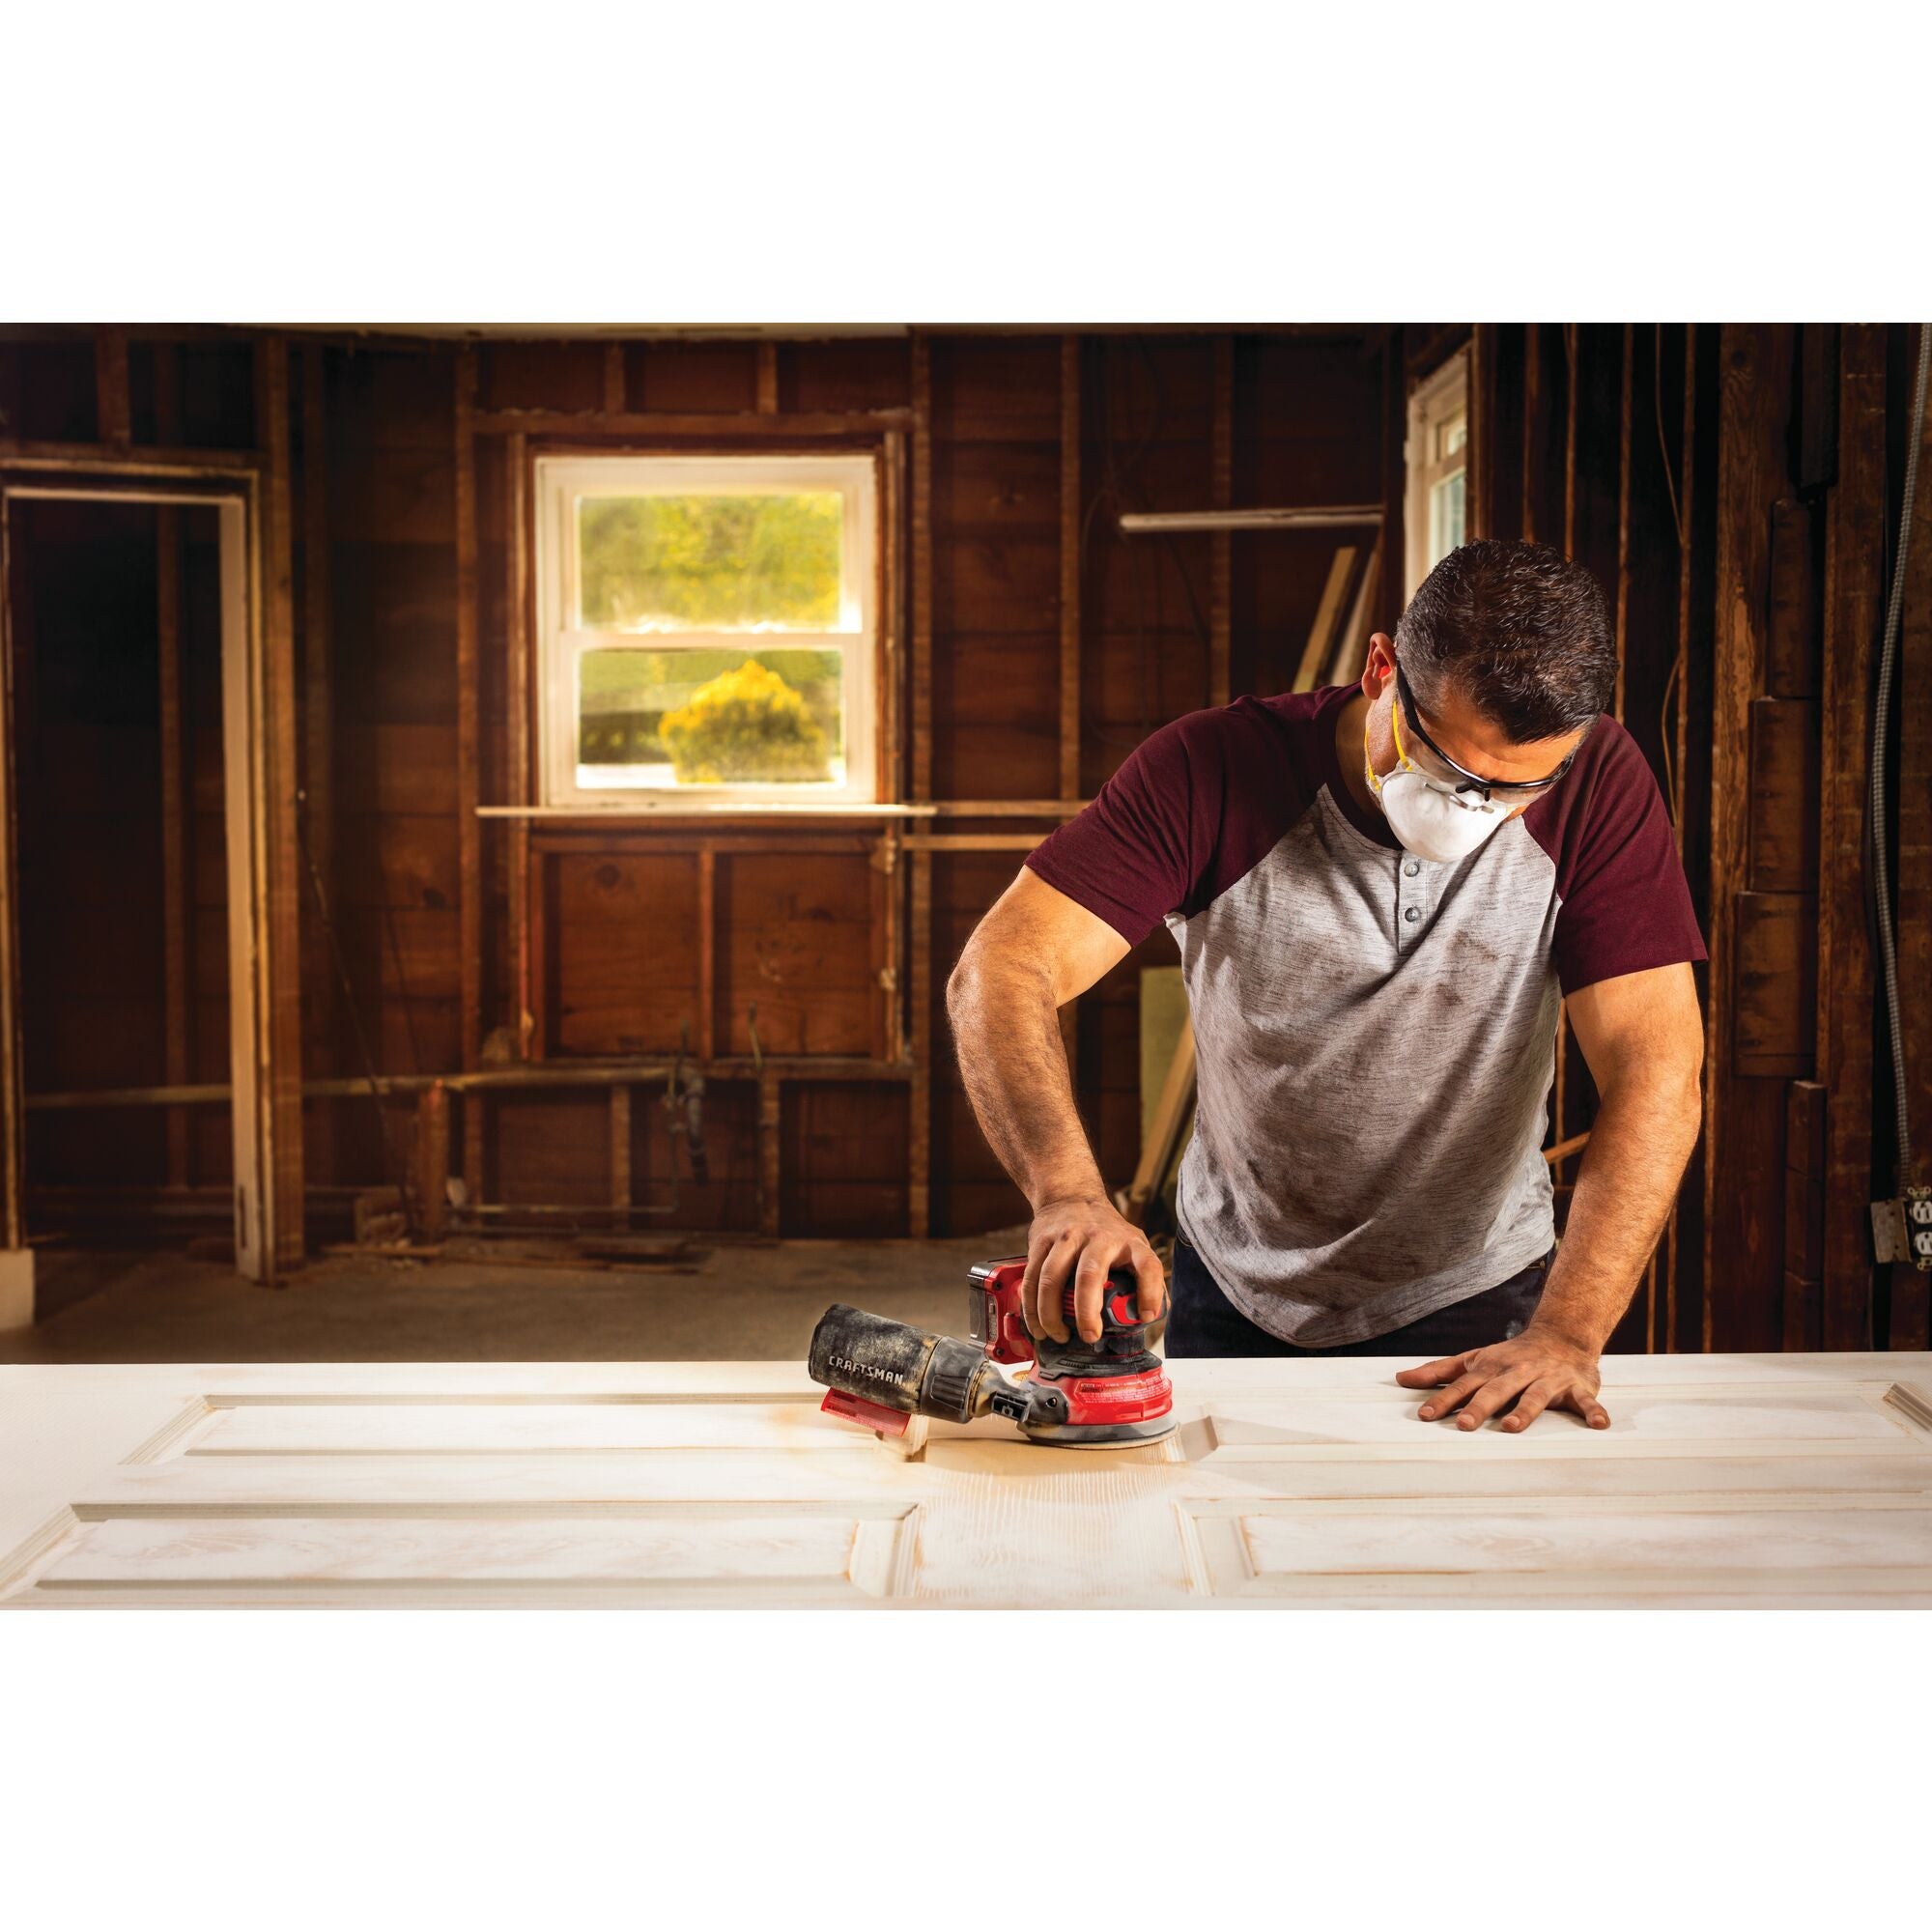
(175, 803)
(1853, 601)
(919, 873)
(1756, 1007)
(1220, 610)
(112, 411)
(280, 939)
(1070, 567)
(1909, 1314)
(469, 752)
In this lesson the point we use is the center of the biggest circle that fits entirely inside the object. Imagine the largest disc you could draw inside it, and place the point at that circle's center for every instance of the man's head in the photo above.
(1508, 657)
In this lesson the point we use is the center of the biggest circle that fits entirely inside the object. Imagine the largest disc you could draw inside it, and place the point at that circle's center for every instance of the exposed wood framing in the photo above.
(972, 842)
(161, 461)
(279, 938)
(919, 911)
(12, 1089)
(814, 426)
(707, 953)
(892, 657)
(535, 1078)
(317, 804)
(1742, 1136)
(1394, 591)
(177, 989)
(1910, 1317)
(518, 712)
(771, 1103)
(468, 757)
(110, 388)
(620, 1147)
(892, 498)
(1070, 565)
(614, 400)
(768, 378)
(1221, 594)
(1853, 593)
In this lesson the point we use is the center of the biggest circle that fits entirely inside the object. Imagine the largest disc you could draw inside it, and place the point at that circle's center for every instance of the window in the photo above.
(707, 626)
(1437, 456)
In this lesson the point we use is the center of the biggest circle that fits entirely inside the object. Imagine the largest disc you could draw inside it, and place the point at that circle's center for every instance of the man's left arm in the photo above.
(1642, 1037)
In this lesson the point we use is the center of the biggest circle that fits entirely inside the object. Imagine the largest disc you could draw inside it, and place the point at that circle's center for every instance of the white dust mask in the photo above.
(1432, 820)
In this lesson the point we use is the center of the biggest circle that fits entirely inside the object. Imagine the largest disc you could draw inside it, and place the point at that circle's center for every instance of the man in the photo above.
(1383, 896)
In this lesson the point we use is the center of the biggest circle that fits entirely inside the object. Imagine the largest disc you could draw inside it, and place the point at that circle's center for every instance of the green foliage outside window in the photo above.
(711, 562)
(746, 725)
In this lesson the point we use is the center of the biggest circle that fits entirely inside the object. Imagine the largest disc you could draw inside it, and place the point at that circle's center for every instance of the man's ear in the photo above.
(1379, 666)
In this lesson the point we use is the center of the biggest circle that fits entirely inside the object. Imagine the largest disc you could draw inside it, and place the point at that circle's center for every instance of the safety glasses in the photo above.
(1404, 711)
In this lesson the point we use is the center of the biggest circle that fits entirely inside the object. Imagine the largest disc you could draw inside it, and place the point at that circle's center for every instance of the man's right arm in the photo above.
(1036, 950)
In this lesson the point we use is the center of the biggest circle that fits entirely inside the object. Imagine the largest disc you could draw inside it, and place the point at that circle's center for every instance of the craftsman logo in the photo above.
(852, 1367)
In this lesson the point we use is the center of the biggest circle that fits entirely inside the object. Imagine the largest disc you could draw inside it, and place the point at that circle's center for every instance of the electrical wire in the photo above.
(1881, 760)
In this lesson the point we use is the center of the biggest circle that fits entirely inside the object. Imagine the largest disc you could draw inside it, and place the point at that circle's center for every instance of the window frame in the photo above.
(559, 480)
(1436, 400)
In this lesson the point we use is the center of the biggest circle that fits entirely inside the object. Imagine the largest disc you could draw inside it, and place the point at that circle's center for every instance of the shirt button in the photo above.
(1412, 868)
(1413, 914)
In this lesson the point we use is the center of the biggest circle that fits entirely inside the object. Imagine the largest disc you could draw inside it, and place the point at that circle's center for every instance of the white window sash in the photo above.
(562, 640)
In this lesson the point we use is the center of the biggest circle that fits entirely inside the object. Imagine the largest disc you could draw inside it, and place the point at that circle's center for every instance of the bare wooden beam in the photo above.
(1320, 648)
(647, 425)
(768, 378)
(469, 777)
(614, 399)
(161, 462)
(13, 1092)
(972, 842)
(620, 1147)
(178, 992)
(919, 1153)
(1911, 1316)
(518, 716)
(922, 569)
(919, 915)
(770, 1123)
(430, 1175)
(537, 1077)
(1069, 564)
(1221, 576)
(707, 953)
(280, 924)
(114, 417)
(1743, 1126)
(318, 808)
(1316, 517)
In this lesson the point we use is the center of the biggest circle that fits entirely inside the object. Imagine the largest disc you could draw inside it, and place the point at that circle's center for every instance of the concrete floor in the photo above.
(739, 1303)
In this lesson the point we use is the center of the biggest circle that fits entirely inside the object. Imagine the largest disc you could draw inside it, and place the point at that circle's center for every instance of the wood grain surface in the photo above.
(1732, 1481)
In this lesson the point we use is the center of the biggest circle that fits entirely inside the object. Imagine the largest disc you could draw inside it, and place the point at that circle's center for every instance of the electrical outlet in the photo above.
(1902, 1229)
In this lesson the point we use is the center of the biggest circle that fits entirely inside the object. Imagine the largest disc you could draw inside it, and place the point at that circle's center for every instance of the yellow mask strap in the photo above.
(1401, 757)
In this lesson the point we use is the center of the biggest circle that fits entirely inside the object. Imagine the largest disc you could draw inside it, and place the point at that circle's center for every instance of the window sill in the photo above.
(600, 815)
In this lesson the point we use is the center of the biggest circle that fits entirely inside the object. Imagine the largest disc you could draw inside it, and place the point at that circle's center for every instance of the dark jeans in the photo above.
(1204, 1322)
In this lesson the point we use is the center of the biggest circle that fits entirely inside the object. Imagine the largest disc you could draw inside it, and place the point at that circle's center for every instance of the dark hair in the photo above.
(1517, 628)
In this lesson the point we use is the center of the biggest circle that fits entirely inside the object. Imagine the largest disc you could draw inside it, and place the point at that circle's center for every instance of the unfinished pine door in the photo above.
(1725, 1481)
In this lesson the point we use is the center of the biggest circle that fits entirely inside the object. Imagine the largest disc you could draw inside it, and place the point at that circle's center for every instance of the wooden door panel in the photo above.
(1678, 1416)
(673, 1558)
(424, 1426)
(1762, 1481)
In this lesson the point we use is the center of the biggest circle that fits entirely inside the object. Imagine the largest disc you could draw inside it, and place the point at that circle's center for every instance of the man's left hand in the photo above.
(1532, 1370)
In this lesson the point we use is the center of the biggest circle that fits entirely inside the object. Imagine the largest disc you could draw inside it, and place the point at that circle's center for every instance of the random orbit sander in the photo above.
(1107, 1394)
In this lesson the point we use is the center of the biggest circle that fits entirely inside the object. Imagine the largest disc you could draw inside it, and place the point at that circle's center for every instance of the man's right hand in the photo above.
(1083, 1237)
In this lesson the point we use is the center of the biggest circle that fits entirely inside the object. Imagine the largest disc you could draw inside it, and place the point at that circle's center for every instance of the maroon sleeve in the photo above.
(1194, 806)
(1625, 904)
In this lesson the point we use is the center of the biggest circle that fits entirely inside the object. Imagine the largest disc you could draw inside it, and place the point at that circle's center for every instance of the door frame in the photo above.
(259, 804)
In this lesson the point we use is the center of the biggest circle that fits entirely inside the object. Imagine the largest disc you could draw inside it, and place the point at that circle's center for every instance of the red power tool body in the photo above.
(1116, 1379)
(1107, 1393)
